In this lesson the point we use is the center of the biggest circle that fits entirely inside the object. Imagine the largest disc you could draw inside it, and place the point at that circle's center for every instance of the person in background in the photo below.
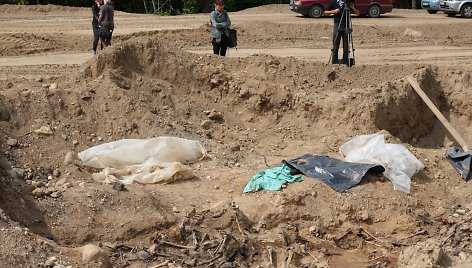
(220, 24)
(336, 8)
(107, 24)
(95, 25)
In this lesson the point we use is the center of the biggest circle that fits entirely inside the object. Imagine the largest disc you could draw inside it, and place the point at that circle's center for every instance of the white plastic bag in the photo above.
(399, 163)
(160, 159)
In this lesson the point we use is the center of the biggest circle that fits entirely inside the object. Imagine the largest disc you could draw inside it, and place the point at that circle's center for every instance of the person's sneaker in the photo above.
(94, 53)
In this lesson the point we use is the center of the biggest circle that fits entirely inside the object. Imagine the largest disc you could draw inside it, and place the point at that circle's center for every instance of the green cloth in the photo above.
(271, 179)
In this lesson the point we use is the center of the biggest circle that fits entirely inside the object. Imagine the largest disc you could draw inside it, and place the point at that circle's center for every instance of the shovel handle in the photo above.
(438, 114)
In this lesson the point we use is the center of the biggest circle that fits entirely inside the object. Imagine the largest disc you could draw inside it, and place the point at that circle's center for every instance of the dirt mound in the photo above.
(274, 8)
(269, 88)
(40, 10)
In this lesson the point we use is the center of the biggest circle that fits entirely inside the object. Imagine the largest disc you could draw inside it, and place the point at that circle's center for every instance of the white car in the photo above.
(454, 7)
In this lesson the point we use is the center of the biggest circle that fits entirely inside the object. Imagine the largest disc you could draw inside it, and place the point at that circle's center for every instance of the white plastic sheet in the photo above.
(156, 160)
(399, 163)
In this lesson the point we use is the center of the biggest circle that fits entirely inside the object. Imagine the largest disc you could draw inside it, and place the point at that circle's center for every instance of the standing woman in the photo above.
(95, 25)
(220, 24)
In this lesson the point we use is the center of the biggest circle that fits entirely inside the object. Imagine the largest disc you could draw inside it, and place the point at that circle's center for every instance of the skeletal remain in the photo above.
(271, 260)
(177, 245)
(289, 259)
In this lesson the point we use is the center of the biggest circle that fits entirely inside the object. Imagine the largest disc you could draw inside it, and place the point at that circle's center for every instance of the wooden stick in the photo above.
(438, 114)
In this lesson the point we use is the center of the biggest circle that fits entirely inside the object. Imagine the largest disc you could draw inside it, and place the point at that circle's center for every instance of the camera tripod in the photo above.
(344, 28)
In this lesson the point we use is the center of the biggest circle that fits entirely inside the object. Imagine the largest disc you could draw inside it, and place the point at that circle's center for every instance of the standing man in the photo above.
(106, 23)
(220, 24)
(95, 25)
(340, 30)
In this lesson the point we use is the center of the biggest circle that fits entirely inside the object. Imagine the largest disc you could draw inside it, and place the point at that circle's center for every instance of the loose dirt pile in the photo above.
(249, 113)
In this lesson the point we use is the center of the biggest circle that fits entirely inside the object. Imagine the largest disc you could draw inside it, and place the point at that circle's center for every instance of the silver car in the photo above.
(454, 7)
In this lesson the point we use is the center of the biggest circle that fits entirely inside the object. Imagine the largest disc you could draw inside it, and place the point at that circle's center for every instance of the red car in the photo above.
(315, 8)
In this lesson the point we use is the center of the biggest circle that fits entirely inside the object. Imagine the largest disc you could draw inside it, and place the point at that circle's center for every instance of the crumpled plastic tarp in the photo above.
(461, 161)
(339, 175)
(399, 163)
(271, 179)
(155, 160)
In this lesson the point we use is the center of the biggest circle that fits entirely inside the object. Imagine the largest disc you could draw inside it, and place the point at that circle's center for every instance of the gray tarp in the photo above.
(340, 175)
(461, 161)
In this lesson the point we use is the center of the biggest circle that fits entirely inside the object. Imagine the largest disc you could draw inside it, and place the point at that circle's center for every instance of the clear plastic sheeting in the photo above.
(399, 163)
(156, 160)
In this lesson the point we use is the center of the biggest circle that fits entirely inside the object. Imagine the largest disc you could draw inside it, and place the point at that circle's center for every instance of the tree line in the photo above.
(162, 7)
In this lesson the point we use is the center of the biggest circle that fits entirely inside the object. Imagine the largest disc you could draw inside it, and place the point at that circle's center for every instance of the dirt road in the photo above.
(377, 41)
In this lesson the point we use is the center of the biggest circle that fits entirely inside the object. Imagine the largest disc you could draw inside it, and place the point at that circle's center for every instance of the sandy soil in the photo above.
(276, 97)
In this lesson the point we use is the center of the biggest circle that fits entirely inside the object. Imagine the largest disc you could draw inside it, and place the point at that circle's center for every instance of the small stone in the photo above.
(39, 79)
(413, 33)
(75, 142)
(56, 194)
(51, 262)
(53, 86)
(216, 187)
(118, 186)
(332, 75)
(175, 210)
(38, 192)
(20, 173)
(460, 211)
(91, 253)
(70, 158)
(152, 249)
(206, 124)
(364, 215)
(215, 116)
(79, 112)
(82, 184)
(56, 173)
(313, 229)
(214, 82)
(44, 130)
(12, 142)
(37, 184)
(462, 255)
(235, 147)
(49, 191)
(142, 254)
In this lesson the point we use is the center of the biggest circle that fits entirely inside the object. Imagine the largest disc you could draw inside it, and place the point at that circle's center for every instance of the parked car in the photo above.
(315, 8)
(454, 7)
(432, 6)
